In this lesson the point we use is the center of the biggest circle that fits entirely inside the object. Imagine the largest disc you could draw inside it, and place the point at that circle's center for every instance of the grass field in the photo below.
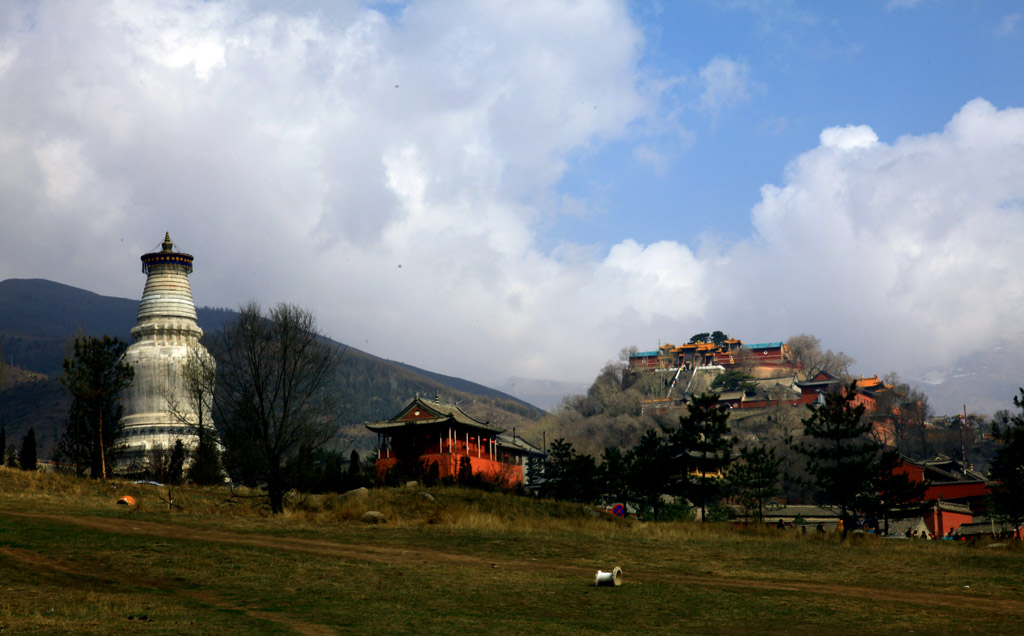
(73, 562)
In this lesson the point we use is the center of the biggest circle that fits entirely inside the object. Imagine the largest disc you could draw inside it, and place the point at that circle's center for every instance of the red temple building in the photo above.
(427, 432)
(948, 480)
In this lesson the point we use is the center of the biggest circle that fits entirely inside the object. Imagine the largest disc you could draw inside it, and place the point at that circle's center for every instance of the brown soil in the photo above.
(398, 556)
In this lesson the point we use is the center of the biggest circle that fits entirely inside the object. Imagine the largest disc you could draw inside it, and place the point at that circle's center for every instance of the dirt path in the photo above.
(41, 563)
(399, 555)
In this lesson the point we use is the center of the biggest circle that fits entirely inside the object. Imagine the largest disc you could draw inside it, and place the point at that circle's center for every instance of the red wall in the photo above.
(503, 474)
(940, 522)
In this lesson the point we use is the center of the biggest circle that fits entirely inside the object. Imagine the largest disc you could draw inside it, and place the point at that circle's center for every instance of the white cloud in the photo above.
(848, 137)
(393, 173)
(305, 157)
(902, 253)
(1008, 25)
(725, 84)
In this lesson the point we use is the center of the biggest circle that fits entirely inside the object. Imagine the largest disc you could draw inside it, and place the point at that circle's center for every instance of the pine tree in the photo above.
(27, 457)
(94, 376)
(3, 444)
(176, 464)
(1006, 500)
(702, 447)
(650, 473)
(465, 474)
(568, 475)
(205, 468)
(614, 473)
(755, 478)
(840, 455)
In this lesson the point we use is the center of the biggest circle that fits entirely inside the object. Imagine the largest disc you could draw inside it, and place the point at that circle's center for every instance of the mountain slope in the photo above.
(38, 318)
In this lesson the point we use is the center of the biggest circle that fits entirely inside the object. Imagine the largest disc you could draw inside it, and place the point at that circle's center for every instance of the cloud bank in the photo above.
(396, 173)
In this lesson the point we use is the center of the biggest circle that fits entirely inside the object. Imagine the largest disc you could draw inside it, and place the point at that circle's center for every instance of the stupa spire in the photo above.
(167, 293)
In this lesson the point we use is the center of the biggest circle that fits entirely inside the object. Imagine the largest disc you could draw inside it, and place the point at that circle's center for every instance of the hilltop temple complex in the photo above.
(728, 354)
(772, 376)
(157, 409)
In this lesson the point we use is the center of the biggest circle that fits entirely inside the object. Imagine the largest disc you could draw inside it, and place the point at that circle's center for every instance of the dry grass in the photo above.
(456, 561)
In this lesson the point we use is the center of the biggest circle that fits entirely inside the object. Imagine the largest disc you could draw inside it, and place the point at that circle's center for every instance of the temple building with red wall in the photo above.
(428, 431)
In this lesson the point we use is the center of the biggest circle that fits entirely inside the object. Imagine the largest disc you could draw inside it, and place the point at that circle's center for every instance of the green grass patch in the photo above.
(72, 561)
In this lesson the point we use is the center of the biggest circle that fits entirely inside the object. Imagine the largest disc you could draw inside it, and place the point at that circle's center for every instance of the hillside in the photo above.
(39, 317)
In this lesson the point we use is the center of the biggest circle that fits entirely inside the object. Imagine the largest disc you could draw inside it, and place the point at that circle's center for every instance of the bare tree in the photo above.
(806, 349)
(273, 402)
(904, 408)
(198, 379)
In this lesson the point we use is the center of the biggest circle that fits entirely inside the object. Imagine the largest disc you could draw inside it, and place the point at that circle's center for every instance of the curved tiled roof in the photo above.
(428, 412)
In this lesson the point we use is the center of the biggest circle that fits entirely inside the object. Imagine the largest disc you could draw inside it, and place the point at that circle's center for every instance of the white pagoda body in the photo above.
(157, 408)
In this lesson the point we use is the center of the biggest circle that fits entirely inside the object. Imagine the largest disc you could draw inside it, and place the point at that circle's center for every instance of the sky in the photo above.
(497, 189)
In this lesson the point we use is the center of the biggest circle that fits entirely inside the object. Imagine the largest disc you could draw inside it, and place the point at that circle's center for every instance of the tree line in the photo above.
(674, 471)
(26, 458)
(274, 417)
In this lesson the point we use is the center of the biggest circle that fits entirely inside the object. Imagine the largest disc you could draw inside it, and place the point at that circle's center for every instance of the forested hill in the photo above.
(38, 318)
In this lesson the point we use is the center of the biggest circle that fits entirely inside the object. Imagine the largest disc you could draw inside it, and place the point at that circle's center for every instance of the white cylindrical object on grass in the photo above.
(608, 579)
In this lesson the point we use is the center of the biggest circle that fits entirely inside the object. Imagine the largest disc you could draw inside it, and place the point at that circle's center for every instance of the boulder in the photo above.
(373, 516)
(355, 494)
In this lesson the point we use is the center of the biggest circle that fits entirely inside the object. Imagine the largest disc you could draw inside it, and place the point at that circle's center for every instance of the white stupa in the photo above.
(156, 404)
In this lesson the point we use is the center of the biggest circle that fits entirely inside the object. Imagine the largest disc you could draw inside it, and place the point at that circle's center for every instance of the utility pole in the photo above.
(963, 446)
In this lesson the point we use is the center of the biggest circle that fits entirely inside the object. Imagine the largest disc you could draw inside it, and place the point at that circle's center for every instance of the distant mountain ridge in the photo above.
(38, 318)
(984, 382)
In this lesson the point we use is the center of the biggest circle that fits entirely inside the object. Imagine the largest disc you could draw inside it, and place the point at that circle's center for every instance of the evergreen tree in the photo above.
(177, 463)
(465, 473)
(205, 468)
(755, 479)
(702, 446)
(1006, 500)
(614, 474)
(433, 475)
(568, 475)
(27, 457)
(94, 376)
(534, 470)
(732, 381)
(839, 453)
(3, 444)
(354, 477)
(650, 473)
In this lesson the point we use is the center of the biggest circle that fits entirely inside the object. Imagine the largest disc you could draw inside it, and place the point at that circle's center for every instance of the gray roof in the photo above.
(519, 444)
(421, 412)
